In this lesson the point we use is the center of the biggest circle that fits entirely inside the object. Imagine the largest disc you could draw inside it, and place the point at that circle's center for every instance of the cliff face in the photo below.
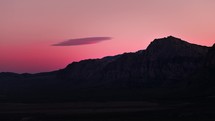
(171, 59)
(168, 64)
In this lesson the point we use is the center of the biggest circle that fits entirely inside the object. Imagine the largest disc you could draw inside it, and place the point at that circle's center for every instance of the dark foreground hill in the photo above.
(169, 67)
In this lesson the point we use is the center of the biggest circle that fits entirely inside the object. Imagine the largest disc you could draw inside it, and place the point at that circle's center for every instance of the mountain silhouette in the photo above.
(168, 68)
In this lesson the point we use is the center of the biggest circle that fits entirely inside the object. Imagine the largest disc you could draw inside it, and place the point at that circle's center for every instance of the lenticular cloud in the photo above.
(82, 41)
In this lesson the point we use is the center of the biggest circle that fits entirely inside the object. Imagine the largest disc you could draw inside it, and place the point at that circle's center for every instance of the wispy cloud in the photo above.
(82, 41)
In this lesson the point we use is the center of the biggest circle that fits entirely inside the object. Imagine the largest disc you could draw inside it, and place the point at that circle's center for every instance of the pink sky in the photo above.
(28, 28)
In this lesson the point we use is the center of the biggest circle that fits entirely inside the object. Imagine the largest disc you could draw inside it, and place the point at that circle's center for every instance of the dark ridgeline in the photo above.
(170, 69)
(168, 65)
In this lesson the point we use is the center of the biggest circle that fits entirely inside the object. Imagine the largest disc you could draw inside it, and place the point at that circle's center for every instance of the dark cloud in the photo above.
(82, 41)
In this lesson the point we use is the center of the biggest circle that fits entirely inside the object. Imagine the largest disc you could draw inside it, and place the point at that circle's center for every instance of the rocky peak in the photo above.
(170, 47)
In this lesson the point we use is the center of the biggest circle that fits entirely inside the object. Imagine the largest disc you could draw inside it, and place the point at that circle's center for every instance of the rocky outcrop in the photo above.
(172, 59)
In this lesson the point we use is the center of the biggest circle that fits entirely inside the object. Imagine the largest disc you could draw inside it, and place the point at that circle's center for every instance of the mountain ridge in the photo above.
(167, 66)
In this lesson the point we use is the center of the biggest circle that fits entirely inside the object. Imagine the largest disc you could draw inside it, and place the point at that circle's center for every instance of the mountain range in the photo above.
(169, 68)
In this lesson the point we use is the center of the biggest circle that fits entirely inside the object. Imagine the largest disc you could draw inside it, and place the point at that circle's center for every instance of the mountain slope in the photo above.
(168, 66)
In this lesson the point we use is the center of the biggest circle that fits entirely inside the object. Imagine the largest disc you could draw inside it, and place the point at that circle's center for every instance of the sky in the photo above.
(46, 35)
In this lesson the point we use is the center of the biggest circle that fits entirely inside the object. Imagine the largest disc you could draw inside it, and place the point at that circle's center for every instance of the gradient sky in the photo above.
(29, 28)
